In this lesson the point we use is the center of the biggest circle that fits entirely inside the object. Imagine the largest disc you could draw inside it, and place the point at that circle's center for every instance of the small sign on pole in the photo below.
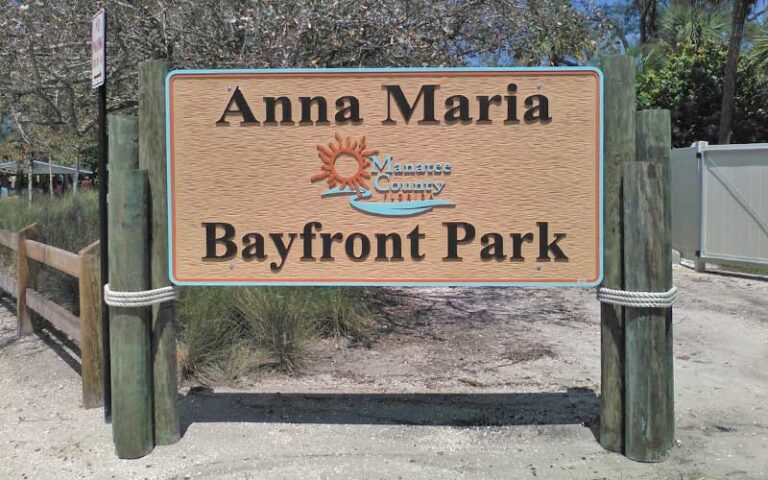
(98, 45)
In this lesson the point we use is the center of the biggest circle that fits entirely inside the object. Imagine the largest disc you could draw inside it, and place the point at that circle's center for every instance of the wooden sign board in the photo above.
(379, 177)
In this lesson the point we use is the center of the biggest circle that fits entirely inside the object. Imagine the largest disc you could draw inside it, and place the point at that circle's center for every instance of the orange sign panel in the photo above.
(397, 176)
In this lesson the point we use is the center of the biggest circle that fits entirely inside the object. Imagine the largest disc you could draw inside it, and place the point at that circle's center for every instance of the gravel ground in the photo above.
(460, 384)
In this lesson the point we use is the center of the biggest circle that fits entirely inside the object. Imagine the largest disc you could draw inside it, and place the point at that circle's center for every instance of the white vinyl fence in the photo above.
(720, 203)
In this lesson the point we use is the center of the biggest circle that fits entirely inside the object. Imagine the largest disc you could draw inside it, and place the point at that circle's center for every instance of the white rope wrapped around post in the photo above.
(142, 298)
(638, 299)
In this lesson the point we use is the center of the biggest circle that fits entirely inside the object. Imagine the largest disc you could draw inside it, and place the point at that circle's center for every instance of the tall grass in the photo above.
(69, 222)
(277, 320)
(224, 332)
(228, 332)
(213, 339)
(339, 311)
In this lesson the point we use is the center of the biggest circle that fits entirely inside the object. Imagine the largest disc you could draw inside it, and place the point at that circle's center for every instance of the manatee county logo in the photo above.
(403, 189)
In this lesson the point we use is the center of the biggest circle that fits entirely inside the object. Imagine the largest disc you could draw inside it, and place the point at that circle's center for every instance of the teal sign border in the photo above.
(386, 70)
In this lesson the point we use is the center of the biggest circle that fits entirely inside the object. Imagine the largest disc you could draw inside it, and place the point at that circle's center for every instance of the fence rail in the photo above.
(8, 239)
(84, 330)
(56, 258)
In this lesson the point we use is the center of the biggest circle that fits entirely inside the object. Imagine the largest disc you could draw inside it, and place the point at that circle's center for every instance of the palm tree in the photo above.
(759, 51)
(694, 24)
(688, 24)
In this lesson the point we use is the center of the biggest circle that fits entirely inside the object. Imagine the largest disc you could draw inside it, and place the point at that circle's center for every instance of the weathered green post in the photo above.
(152, 159)
(649, 385)
(129, 271)
(619, 148)
(26, 276)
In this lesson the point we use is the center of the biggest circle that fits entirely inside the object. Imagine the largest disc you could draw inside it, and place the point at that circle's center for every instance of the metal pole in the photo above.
(103, 232)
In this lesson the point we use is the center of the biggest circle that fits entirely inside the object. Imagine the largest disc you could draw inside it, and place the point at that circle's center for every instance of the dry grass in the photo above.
(229, 332)
(69, 222)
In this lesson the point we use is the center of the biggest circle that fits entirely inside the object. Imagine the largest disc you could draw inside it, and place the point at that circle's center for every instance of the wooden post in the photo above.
(26, 277)
(649, 384)
(129, 271)
(619, 148)
(152, 159)
(90, 326)
(653, 140)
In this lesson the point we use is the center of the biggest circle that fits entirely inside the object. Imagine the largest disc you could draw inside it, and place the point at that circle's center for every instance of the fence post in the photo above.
(700, 265)
(649, 384)
(129, 331)
(26, 277)
(619, 145)
(90, 325)
(152, 158)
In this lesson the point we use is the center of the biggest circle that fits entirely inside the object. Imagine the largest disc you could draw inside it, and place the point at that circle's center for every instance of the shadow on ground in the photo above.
(726, 271)
(575, 406)
(57, 341)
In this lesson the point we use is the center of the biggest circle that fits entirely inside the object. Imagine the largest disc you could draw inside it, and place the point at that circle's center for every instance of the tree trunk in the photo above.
(740, 10)
(648, 20)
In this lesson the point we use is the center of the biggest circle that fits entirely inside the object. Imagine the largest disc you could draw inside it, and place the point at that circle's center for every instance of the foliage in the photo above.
(694, 25)
(45, 54)
(684, 25)
(536, 32)
(759, 51)
(688, 81)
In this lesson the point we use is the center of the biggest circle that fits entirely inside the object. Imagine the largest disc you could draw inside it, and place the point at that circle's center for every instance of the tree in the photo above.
(648, 20)
(689, 82)
(45, 46)
(740, 10)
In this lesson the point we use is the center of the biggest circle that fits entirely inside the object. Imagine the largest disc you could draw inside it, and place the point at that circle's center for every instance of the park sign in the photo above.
(385, 177)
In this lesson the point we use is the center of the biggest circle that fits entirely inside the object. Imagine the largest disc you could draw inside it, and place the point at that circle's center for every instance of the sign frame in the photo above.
(427, 283)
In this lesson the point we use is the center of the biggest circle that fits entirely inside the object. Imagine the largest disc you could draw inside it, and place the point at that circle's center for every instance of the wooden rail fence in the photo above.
(84, 330)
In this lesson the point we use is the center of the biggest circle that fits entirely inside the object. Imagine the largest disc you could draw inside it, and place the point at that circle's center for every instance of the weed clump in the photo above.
(228, 332)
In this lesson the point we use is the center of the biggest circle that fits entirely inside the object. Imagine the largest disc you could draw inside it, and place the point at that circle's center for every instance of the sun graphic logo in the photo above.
(346, 166)
(341, 150)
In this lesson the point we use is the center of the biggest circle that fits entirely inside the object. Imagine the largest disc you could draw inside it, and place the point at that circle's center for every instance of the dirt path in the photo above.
(475, 384)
